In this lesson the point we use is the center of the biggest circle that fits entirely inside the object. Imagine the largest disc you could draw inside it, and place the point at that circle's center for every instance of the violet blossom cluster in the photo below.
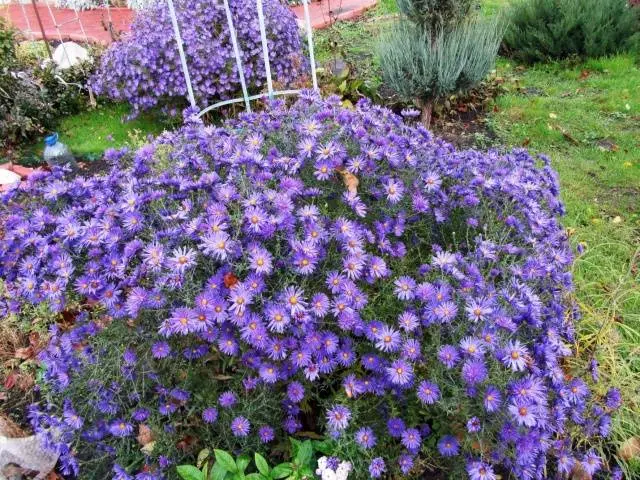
(426, 311)
(144, 67)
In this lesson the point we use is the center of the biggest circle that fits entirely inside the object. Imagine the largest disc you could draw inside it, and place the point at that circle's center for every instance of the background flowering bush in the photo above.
(144, 68)
(310, 268)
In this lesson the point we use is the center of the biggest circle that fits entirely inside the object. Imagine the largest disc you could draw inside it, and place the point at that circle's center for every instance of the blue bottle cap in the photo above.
(51, 140)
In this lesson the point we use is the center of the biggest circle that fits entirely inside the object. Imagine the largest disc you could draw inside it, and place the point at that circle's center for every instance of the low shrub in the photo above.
(435, 49)
(313, 271)
(423, 66)
(34, 96)
(7, 43)
(144, 69)
(542, 30)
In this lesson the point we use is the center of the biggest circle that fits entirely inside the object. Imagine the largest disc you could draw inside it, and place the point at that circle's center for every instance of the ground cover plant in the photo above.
(309, 268)
(144, 68)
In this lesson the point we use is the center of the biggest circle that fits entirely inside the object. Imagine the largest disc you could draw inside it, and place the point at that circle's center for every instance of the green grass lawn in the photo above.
(90, 133)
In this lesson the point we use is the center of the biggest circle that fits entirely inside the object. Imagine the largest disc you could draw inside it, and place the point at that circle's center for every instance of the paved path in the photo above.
(96, 22)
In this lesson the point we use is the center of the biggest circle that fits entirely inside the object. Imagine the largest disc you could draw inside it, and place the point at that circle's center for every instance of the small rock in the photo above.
(69, 54)
(8, 177)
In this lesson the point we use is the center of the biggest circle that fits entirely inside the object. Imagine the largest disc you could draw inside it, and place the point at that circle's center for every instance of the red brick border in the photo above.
(323, 13)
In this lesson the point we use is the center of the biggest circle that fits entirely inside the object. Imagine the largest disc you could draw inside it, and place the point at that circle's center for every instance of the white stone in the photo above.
(7, 177)
(68, 54)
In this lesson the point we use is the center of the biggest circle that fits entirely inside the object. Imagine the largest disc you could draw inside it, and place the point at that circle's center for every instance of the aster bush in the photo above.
(307, 270)
(144, 68)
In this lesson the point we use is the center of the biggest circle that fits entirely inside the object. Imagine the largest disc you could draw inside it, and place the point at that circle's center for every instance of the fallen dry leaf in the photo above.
(629, 449)
(10, 381)
(145, 435)
(24, 353)
(579, 473)
(230, 279)
(350, 180)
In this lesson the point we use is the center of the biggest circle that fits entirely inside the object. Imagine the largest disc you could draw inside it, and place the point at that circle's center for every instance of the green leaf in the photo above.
(225, 460)
(305, 452)
(306, 472)
(189, 472)
(242, 462)
(218, 472)
(254, 476)
(261, 464)
(281, 471)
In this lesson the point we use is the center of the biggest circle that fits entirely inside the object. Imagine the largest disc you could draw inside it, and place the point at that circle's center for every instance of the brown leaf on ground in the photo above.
(25, 382)
(10, 381)
(584, 74)
(186, 443)
(349, 179)
(24, 353)
(230, 279)
(526, 142)
(579, 473)
(145, 435)
(630, 449)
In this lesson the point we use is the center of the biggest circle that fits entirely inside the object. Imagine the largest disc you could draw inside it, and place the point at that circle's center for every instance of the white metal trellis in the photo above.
(246, 98)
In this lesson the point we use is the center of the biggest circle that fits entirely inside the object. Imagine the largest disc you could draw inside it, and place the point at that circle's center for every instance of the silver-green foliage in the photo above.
(420, 65)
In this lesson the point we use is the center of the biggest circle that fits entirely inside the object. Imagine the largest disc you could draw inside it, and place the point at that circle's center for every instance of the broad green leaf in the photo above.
(281, 471)
(189, 472)
(254, 476)
(305, 453)
(218, 472)
(261, 464)
(225, 460)
(242, 462)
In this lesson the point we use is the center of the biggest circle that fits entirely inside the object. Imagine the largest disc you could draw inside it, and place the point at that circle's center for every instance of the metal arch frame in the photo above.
(246, 98)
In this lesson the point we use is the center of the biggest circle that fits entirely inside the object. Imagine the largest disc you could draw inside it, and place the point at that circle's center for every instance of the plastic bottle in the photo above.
(56, 153)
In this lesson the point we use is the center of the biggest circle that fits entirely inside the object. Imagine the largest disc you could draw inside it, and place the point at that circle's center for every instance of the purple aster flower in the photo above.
(514, 356)
(293, 298)
(240, 427)
(365, 438)
(377, 467)
(394, 190)
(411, 350)
(411, 439)
(338, 417)
(395, 427)
(266, 433)
(613, 398)
(405, 288)
(448, 355)
(120, 428)
(478, 310)
(400, 372)
(295, 392)
(591, 463)
(428, 392)
(448, 446)
(474, 425)
(406, 463)
(210, 415)
(480, 471)
(474, 372)
(388, 339)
